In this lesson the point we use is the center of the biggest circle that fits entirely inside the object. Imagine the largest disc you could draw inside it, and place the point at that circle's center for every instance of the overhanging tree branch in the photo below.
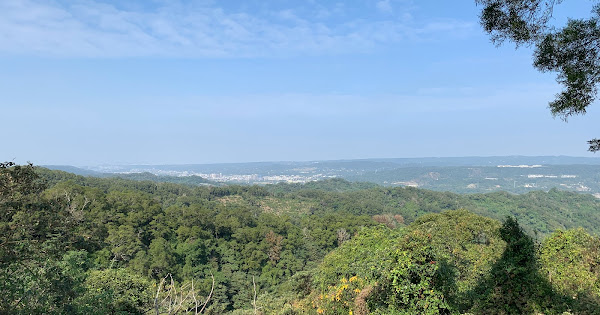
(572, 52)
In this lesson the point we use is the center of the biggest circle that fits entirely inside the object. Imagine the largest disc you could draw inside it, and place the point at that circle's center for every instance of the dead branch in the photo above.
(174, 300)
(209, 295)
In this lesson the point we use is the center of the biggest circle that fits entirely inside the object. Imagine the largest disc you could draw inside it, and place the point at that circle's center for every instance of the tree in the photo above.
(571, 261)
(573, 51)
(116, 291)
(37, 274)
(515, 285)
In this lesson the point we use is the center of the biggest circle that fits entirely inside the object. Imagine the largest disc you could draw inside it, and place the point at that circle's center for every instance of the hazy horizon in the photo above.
(383, 159)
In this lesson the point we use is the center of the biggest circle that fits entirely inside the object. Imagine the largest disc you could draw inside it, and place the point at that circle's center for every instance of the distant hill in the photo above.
(330, 185)
(145, 176)
(341, 166)
(74, 170)
(515, 174)
(186, 180)
(474, 179)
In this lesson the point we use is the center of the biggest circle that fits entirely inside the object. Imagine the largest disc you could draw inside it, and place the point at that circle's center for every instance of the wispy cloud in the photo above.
(88, 28)
(384, 6)
(456, 100)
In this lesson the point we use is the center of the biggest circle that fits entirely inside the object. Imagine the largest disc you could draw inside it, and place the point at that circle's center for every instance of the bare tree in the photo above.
(172, 300)
(342, 236)
(254, 300)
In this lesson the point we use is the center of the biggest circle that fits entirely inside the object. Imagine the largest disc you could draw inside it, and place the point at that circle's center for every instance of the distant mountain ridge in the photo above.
(74, 170)
(355, 163)
(515, 174)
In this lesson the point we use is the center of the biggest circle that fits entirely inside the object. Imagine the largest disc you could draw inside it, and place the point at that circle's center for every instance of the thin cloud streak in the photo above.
(92, 29)
(455, 100)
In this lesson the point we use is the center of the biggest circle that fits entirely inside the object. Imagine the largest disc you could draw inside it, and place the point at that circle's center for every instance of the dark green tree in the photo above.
(115, 291)
(37, 274)
(571, 261)
(514, 285)
(572, 51)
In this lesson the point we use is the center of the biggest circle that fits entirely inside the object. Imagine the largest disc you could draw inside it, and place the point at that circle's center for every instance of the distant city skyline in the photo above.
(187, 82)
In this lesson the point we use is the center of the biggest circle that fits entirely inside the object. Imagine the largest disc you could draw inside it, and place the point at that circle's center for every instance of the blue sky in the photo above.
(173, 82)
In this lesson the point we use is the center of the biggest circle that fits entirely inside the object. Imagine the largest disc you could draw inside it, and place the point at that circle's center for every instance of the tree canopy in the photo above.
(572, 51)
(82, 245)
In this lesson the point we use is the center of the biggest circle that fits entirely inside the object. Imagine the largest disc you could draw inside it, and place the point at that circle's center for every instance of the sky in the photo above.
(89, 82)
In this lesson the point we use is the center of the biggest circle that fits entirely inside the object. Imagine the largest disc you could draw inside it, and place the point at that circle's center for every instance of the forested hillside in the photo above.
(460, 175)
(85, 245)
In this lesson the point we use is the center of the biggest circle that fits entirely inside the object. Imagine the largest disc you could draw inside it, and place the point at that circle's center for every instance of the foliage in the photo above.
(193, 180)
(412, 284)
(459, 262)
(38, 273)
(572, 51)
(172, 298)
(466, 247)
(433, 265)
(119, 292)
(366, 255)
(93, 246)
(342, 298)
(514, 285)
(571, 261)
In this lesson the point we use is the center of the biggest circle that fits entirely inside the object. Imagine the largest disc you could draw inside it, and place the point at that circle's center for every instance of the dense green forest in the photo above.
(83, 245)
